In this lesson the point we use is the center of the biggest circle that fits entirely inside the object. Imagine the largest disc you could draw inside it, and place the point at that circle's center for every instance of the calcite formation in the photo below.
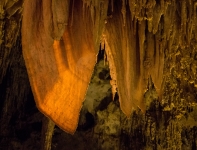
(61, 41)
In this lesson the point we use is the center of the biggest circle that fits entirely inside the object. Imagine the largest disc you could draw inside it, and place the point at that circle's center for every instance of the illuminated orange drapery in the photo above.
(59, 51)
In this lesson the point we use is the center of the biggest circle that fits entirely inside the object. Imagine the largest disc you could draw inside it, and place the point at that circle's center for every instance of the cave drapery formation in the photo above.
(61, 40)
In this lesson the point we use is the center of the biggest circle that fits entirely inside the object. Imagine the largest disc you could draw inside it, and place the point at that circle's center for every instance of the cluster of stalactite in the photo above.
(140, 35)
(137, 37)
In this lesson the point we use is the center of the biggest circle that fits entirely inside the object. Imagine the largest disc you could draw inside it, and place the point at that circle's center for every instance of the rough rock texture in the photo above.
(170, 119)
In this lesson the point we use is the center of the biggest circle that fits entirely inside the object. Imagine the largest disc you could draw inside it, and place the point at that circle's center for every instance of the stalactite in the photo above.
(142, 36)
(60, 13)
(112, 5)
(168, 23)
(158, 64)
(92, 12)
(149, 56)
(71, 22)
(149, 16)
(150, 25)
(190, 24)
(132, 5)
(112, 67)
(183, 17)
(123, 11)
(59, 88)
(156, 18)
(98, 11)
(130, 75)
